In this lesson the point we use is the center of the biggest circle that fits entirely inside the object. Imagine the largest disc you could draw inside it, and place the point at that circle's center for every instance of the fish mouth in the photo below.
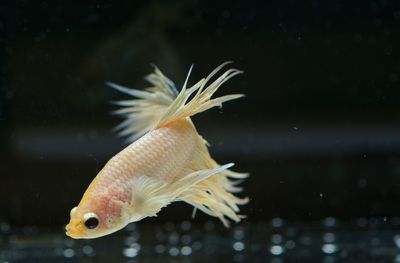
(72, 232)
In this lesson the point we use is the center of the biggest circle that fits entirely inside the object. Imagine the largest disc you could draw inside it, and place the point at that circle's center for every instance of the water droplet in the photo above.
(69, 253)
(186, 239)
(130, 252)
(238, 233)
(329, 237)
(186, 250)
(197, 245)
(173, 251)
(329, 248)
(136, 246)
(173, 238)
(290, 244)
(276, 239)
(88, 250)
(276, 250)
(238, 246)
(160, 248)
(186, 225)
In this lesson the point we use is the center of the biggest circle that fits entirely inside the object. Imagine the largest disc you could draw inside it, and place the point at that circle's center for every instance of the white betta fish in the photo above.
(167, 160)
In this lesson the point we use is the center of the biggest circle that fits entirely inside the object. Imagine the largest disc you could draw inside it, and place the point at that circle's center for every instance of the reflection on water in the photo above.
(362, 240)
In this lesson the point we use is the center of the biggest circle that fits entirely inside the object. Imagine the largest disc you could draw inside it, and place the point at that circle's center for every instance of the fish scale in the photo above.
(165, 151)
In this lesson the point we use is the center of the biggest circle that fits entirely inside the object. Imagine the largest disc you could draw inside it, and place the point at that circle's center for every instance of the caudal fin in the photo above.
(161, 103)
(215, 194)
(197, 98)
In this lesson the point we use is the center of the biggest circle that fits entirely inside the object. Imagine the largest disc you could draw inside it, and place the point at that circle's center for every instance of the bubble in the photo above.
(186, 250)
(197, 245)
(276, 239)
(186, 225)
(69, 253)
(276, 250)
(130, 252)
(238, 233)
(238, 246)
(186, 239)
(173, 251)
(329, 237)
(129, 240)
(329, 248)
(88, 250)
(173, 238)
(290, 244)
(160, 248)
(136, 246)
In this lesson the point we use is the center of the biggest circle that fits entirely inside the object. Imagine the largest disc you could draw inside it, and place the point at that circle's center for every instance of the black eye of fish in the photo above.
(92, 222)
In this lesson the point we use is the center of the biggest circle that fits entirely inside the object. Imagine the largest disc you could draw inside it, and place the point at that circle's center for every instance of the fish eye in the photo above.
(90, 220)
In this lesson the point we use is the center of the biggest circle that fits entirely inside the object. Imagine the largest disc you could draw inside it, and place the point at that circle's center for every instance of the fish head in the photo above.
(96, 218)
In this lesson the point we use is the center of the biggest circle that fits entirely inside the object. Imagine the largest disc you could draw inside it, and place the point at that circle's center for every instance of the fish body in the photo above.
(167, 161)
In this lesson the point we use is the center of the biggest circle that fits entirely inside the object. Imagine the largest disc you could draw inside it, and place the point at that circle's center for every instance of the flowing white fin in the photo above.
(151, 194)
(161, 104)
(184, 106)
(143, 113)
(214, 195)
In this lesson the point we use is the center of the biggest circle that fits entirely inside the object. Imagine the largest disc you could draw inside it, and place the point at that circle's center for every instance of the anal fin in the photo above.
(213, 194)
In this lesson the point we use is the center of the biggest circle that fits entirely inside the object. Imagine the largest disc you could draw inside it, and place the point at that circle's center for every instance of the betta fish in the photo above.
(167, 160)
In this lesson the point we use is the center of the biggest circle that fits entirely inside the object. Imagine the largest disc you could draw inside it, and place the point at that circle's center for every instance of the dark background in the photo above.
(318, 129)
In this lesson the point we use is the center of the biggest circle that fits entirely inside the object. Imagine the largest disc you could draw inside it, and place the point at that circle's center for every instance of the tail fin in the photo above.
(215, 194)
(161, 103)
(184, 107)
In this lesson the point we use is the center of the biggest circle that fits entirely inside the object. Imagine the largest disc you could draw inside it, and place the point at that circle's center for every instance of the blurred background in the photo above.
(318, 130)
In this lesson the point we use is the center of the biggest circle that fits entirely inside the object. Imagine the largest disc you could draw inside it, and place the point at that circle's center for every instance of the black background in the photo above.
(318, 129)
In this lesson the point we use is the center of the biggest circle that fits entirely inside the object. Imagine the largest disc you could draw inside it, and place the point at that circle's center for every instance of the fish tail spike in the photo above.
(197, 98)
